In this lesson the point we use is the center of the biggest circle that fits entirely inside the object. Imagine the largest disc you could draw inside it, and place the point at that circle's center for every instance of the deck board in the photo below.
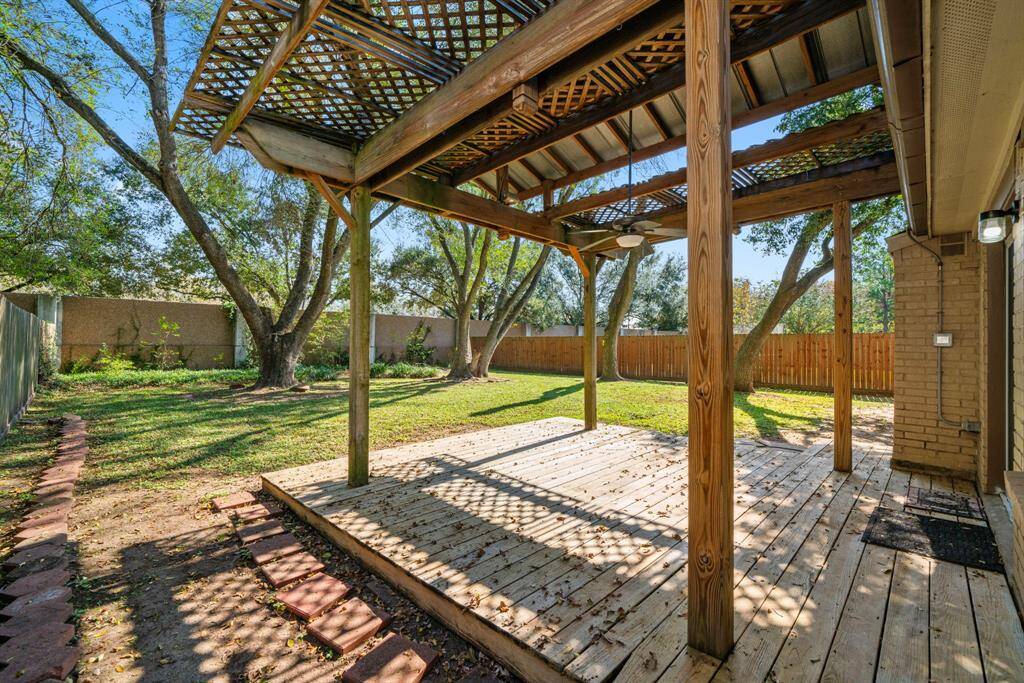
(563, 553)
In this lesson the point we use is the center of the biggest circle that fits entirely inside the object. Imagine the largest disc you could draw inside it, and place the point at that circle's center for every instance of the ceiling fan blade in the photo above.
(589, 232)
(645, 225)
(668, 232)
(594, 245)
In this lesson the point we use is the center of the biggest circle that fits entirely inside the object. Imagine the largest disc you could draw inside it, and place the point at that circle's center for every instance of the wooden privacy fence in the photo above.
(794, 361)
(21, 340)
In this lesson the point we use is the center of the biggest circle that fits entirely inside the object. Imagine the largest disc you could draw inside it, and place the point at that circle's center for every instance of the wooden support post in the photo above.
(359, 340)
(842, 369)
(589, 271)
(710, 565)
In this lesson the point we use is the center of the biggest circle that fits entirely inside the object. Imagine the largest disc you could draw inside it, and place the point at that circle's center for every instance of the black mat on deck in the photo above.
(971, 545)
(945, 502)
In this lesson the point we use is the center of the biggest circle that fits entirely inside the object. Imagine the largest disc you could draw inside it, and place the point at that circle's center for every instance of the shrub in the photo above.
(401, 370)
(416, 350)
(107, 360)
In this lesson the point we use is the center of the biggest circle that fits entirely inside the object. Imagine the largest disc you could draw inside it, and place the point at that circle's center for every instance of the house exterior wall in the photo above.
(921, 439)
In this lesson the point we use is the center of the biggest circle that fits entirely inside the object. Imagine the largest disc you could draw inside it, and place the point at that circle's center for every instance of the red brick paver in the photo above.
(42, 530)
(348, 625)
(274, 548)
(251, 513)
(43, 599)
(36, 582)
(291, 568)
(24, 557)
(314, 596)
(35, 665)
(54, 517)
(395, 660)
(54, 537)
(254, 532)
(57, 613)
(233, 500)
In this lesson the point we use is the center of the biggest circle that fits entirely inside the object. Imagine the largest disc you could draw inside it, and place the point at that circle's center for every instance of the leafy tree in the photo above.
(69, 53)
(446, 271)
(874, 289)
(813, 312)
(511, 297)
(660, 299)
(810, 235)
(618, 307)
(64, 226)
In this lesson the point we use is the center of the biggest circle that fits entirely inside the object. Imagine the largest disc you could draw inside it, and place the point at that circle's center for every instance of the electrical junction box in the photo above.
(942, 339)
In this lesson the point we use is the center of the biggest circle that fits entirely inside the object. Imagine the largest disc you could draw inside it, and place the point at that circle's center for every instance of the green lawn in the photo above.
(159, 436)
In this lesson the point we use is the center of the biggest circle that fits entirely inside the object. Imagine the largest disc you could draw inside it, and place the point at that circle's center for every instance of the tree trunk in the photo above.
(506, 314)
(279, 356)
(462, 358)
(617, 310)
(785, 296)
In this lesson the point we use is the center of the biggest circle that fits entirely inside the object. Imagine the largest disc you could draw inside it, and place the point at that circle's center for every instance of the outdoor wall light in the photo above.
(994, 226)
(630, 240)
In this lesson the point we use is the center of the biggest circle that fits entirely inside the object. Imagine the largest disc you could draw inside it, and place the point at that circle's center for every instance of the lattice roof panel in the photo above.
(751, 175)
(367, 61)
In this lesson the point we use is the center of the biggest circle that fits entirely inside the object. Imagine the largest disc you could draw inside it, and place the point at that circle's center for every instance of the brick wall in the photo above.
(921, 439)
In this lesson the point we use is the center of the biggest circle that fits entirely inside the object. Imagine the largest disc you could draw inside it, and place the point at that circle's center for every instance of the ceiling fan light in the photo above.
(630, 240)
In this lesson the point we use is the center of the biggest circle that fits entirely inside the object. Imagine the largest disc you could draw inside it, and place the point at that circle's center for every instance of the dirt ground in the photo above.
(165, 592)
(171, 596)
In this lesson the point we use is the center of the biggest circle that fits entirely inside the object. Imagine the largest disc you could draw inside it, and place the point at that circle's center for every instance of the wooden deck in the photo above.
(563, 554)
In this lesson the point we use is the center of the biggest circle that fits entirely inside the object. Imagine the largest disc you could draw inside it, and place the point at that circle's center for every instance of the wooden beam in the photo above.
(589, 341)
(807, 15)
(427, 195)
(293, 34)
(556, 34)
(819, 188)
(794, 101)
(285, 151)
(710, 564)
(849, 128)
(293, 150)
(359, 340)
(842, 366)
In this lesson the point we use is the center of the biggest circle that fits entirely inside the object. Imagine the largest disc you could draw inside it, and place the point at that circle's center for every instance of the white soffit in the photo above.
(975, 100)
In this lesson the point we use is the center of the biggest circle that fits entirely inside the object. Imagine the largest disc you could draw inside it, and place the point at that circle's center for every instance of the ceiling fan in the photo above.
(630, 230)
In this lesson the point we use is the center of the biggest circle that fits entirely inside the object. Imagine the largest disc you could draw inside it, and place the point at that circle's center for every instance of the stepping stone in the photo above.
(291, 568)
(57, 613)
(251, 513)
(348, 625)
(44, 599)
(274, 548)
(42, 551)
(38, 665)
(234, 500)
(41, 637)
(254, 532)
(40, 565)
(45, 489)
(36, 582)
(49, 509)
(55, 499)
(42, 530)
(314, 596)
(54, 537)
(43, 519)
(71, 471)
(396, 659)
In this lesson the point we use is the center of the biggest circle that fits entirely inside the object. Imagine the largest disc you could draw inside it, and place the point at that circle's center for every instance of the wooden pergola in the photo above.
(413, 100)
